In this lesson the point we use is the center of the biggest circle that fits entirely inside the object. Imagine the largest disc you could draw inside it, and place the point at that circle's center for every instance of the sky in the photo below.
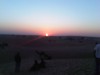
(55, 17)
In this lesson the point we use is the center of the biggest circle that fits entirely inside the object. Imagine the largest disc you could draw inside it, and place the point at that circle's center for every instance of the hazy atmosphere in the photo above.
(55, 17)
(49, 37)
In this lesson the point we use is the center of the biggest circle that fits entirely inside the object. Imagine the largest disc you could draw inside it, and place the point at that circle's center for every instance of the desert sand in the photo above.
(70, 55)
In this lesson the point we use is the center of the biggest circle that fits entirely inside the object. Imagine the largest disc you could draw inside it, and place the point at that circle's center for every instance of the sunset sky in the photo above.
(55, 17)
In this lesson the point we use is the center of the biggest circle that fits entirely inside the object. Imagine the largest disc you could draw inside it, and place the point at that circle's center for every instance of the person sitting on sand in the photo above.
(35, 66)
(97, 57)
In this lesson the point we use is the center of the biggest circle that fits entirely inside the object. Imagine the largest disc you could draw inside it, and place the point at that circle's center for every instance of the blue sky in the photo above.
(55, 17)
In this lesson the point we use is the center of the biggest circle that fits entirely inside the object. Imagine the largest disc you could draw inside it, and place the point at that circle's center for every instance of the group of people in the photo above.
(36, 66)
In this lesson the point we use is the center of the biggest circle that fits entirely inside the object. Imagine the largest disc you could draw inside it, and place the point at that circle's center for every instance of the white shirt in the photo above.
(97, 48)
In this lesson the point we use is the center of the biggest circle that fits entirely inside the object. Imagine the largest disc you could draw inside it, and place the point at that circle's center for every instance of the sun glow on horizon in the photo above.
(46, 34)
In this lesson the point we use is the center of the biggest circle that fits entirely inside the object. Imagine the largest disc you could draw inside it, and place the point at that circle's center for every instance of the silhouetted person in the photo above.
(97, 57)
(35, 66)
(18, 62)
(42, 63)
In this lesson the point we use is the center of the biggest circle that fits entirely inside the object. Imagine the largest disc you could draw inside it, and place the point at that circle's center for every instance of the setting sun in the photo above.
(46, 34)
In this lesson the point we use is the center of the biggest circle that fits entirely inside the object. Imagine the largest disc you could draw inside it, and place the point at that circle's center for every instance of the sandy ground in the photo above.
(68, 57)
(7, 54)
(53, 67)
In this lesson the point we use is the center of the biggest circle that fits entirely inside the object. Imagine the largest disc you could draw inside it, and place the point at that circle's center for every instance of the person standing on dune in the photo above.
(97, 58)
(18, 62)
